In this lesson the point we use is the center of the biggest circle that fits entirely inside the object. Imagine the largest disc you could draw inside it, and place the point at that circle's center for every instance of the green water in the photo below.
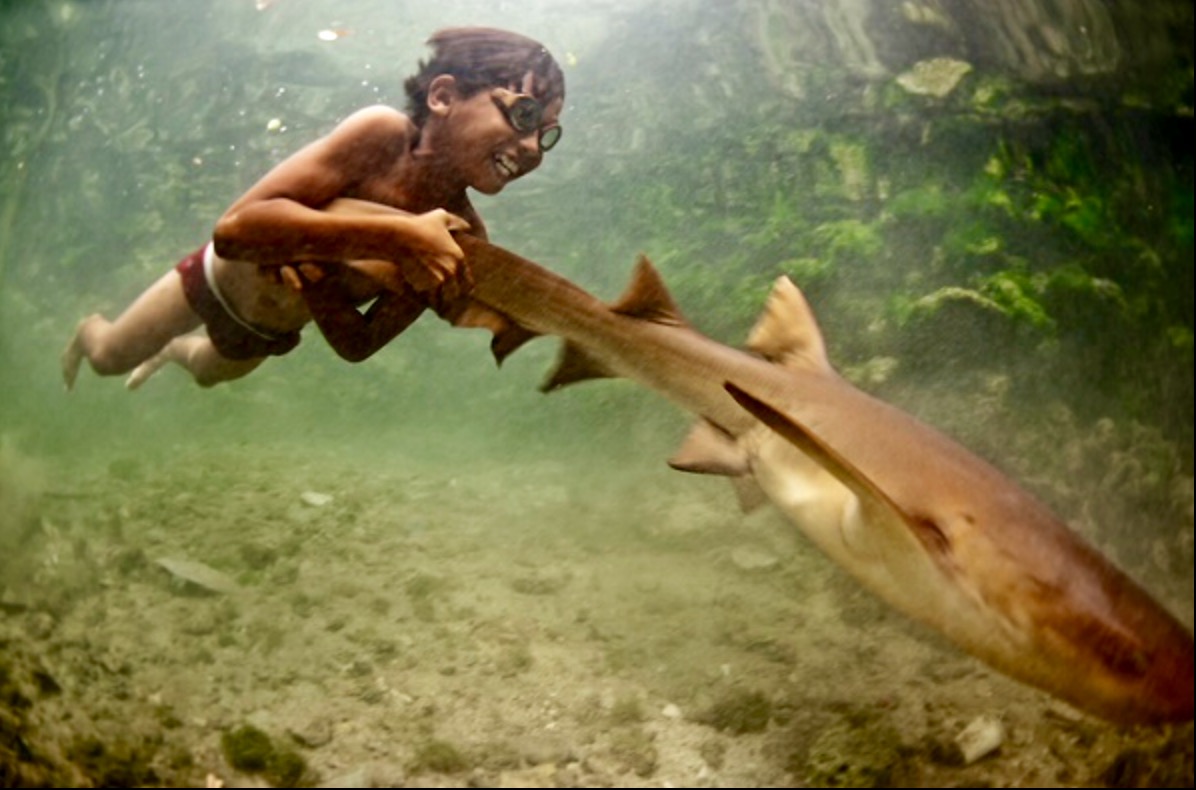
(999, 240)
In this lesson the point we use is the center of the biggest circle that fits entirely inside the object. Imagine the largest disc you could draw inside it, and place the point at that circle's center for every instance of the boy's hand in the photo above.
(437, 268)
(386, 273)
(299, 274)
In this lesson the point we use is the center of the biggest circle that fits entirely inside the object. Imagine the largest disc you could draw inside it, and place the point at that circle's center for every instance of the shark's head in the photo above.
(1001, 576)
(952, 542)
(1108, 647)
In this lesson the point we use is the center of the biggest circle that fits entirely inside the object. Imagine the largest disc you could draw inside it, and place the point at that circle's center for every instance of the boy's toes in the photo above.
(145, 370)
(71, 359)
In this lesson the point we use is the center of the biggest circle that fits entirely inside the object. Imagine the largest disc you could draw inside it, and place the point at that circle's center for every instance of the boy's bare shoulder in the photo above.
(380, 114)
(377, 124)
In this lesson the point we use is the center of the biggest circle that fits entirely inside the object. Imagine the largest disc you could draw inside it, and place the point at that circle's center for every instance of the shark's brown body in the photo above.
(929, 527)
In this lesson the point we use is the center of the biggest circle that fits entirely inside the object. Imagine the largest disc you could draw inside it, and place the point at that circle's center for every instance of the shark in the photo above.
(928, 526)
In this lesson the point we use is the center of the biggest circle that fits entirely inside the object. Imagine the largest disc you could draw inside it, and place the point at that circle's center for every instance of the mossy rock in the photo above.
(739, 712)
(439, 757)
(250, 750)
(635, 751)
(847, 756)
(287, 768)
(116, 764)
(247, 748)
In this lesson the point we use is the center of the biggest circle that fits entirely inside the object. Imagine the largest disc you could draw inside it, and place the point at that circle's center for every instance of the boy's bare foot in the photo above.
(146, 369)
(72, 355)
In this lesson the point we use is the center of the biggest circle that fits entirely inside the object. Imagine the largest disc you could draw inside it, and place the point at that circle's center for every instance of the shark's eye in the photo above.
(932, 535)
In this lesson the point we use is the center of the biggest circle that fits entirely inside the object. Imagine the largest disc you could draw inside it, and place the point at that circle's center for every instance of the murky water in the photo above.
(448, 578)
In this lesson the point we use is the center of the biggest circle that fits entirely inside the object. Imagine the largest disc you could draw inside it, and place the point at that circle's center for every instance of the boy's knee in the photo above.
(107, 361)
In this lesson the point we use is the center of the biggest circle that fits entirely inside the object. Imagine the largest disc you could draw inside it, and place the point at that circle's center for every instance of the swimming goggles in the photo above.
(525, 114)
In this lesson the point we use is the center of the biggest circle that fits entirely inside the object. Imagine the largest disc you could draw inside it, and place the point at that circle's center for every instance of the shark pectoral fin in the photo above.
(648, 298)
(510, 340)
(787, 333)
(876, 506)
(574, 364)
(749, 493)
(709, 450)
(508, 335)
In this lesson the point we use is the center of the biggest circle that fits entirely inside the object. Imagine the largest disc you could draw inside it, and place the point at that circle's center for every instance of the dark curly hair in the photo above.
(481, 58)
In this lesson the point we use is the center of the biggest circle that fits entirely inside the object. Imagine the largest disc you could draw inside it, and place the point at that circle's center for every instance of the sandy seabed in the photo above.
(541, 623)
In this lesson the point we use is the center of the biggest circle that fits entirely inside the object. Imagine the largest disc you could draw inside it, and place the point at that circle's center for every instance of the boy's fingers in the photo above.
(313, 272)
(291, 278)
(465, 277)
(425, 278)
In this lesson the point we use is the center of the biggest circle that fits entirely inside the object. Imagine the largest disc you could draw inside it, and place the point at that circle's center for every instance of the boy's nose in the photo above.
(529, 146)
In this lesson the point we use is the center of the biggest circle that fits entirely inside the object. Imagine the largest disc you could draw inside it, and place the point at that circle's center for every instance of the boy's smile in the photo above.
(507, 165)
(491, 137)
(513, 152)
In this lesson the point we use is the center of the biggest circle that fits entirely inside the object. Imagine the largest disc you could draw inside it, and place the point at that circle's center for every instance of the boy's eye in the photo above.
(525, 115)
(522, 111)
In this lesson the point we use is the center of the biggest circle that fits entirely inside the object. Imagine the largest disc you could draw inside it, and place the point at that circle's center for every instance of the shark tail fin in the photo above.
(787, 333)
(509, 336)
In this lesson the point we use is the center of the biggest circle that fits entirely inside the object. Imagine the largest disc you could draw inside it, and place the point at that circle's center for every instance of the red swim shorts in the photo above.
(232, 337)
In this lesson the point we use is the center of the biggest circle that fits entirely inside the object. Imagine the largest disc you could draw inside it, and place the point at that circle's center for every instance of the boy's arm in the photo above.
(280, 220)
(355, 336)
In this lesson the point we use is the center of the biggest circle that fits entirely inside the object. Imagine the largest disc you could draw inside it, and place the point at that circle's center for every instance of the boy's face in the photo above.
(483, 142)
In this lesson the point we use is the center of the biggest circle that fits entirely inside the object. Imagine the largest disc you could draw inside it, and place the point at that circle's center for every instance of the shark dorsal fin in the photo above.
(710, 450)
(787, 333)
(575, 364)
(647, 297)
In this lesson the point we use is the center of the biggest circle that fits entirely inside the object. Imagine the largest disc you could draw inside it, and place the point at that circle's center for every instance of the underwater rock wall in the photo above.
(1039, 41)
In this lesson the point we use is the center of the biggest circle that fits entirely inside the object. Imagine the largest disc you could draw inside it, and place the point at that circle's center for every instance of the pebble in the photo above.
(544, 775)
(315, 498)
(980, 738)
(544, 748)
(198, 574)
(751, 558)
(315, 733)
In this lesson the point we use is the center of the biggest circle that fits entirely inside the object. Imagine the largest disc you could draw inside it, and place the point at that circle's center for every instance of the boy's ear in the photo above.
(442, 92)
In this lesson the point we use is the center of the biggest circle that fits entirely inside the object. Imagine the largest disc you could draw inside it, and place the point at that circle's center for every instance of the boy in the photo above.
(481, 113)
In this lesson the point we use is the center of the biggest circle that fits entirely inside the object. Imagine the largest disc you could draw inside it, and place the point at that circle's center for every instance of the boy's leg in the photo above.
(112, 347)
(199, 357)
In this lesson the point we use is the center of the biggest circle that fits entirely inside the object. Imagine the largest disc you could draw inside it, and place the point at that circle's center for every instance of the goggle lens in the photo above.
(525, 116)
(549, 137)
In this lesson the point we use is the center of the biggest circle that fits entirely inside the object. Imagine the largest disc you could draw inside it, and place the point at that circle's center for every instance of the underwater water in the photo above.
(443, 577)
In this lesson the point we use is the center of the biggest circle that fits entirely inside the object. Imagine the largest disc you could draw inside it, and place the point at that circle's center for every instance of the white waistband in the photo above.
(209, 259)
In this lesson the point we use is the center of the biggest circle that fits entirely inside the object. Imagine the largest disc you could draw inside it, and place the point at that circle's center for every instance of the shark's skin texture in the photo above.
(929, 527)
